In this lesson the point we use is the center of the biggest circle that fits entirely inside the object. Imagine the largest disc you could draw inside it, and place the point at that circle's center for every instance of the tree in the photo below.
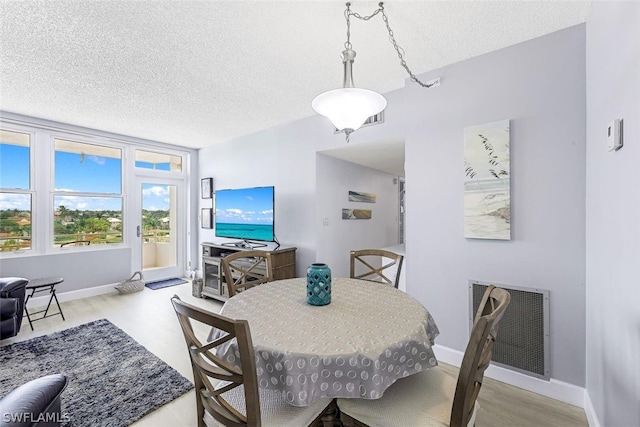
(9, 226)
(94, 225)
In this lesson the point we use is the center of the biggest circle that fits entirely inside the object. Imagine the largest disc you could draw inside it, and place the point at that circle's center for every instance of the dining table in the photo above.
(370, 335)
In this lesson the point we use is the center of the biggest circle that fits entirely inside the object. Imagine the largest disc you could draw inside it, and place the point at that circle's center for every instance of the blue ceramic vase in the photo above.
(318, 284)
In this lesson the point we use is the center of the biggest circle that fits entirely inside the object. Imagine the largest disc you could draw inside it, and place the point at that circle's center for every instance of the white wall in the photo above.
(334, 241)
(540, 86)
(613, 214)
(283, 157)
(80, 269)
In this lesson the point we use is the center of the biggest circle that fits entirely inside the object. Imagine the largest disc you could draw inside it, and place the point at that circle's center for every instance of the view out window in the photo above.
(88, 194)
(15, 195)
(157, 161)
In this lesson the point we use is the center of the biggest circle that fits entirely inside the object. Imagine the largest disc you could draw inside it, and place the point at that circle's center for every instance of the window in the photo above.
(87, 198)
(158, 161)
(15, 191)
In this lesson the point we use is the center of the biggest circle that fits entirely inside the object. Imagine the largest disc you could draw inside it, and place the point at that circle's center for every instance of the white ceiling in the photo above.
(195, 73)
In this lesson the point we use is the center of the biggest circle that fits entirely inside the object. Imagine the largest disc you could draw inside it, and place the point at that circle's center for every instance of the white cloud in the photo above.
(97, 160)
(15, 201)
(157, 191)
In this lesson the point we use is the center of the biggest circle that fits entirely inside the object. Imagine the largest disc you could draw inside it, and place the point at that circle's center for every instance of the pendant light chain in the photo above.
(348, 13)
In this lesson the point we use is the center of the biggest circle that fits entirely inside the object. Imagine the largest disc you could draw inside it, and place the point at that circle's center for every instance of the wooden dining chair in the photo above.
(246, 269)
(376, 265)
(433, 397)
(227, 394)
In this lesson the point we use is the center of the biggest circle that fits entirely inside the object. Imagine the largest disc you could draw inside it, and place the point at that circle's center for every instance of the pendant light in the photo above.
(349, 107)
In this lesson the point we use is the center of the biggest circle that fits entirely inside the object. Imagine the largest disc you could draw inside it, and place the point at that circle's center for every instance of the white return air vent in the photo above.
(522, 344)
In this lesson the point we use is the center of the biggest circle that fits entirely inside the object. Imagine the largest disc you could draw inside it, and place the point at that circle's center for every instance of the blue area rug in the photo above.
(112, 380)
(165, 283)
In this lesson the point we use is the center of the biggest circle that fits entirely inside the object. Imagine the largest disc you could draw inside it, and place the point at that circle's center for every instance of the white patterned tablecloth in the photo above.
(368, 337)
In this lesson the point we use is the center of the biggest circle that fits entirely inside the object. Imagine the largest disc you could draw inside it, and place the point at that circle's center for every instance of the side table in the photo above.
(43, 284)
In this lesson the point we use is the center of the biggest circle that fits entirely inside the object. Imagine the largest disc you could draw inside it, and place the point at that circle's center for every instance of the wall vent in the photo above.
(373, 120)
(522, 344)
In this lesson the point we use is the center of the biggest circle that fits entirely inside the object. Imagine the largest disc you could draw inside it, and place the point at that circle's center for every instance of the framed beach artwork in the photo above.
(487, 187)
(206, 218)
(206, 187)
(358, 196)
(356, 213)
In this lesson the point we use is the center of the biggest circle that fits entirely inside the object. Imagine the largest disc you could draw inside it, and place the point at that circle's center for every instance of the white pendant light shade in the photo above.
(348, 108)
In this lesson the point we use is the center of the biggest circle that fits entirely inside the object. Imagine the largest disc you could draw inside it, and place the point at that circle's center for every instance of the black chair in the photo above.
(12, 295)
(34, 404)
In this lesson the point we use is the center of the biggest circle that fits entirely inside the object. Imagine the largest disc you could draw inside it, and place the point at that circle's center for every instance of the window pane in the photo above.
(14, 160)
(81, 221)
(87, 168)
(157, 161)
(15, 222)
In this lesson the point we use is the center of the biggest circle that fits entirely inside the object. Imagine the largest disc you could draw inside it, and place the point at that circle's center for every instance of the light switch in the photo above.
(614, 135)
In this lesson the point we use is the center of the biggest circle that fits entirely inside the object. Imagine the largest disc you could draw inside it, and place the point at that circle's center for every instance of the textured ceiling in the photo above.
(195, 73)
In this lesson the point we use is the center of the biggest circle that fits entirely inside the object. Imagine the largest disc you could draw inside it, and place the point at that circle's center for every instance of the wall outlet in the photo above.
(325, 221)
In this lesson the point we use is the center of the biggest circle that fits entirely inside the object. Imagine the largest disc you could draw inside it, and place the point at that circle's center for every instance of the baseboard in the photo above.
(559, 390)
(589, 410)
(43, 300)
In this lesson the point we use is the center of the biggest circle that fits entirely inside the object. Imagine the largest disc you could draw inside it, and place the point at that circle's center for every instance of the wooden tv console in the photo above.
(283, 266)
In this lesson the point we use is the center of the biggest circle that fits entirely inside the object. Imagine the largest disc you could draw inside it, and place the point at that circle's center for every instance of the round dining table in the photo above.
(369, 336)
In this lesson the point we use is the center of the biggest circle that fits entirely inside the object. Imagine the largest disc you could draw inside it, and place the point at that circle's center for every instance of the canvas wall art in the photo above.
(206, 218)
(358, 196)
(356, 213)
(487, 187)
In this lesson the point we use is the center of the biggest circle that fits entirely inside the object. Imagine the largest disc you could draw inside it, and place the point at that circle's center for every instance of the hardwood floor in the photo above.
(149, 318)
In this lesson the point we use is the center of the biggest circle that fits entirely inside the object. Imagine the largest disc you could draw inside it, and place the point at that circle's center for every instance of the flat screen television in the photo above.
(245, 213)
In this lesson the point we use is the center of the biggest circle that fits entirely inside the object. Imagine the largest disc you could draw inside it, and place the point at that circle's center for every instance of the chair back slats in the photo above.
(207, 366)
(245, 269)
(227, 415)
(364, 265)
(477, 355)
(215, 367)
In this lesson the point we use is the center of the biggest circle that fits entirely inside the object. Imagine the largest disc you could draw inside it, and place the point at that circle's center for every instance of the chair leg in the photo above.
(197, 384)
(58, 304)
(27, 311)
(330, 416)
(348, 421)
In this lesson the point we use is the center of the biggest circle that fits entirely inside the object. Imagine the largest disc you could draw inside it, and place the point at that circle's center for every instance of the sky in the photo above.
(245, 206)
(75, 172)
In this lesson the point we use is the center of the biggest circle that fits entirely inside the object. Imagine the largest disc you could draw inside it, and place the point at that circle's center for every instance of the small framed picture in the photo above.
(207, 188)
(207, 218)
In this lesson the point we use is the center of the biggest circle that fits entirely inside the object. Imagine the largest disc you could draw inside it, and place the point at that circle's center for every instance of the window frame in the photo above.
(31, 191)
(77, 139)
(82, 139)
(42, 135)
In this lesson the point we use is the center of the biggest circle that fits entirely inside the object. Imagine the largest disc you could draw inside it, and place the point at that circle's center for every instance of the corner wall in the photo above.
(336, 239)
(283, 157)
(540, 86)
(613, 215)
